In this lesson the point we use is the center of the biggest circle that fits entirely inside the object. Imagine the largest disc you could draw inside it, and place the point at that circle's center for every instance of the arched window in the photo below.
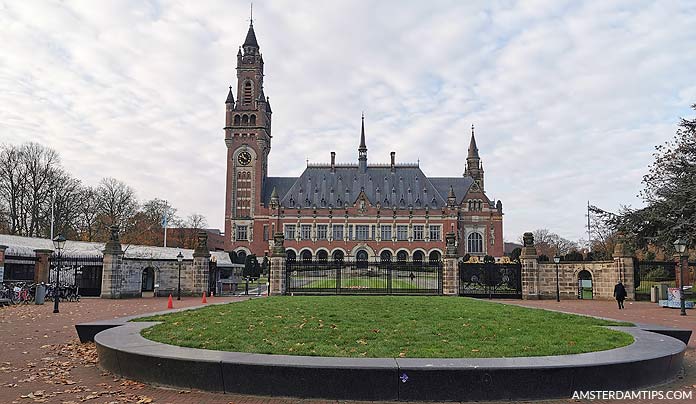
(338, 255)
(252, 120)
(361, 258)
(385, 256)
(322, 255)
(290, 255)
(474, 243)
(306, 255)
(237, 120)
(245, 119)
(418, 256)
(402, 255)
(248, 92)
(434, 256)
(241, 256)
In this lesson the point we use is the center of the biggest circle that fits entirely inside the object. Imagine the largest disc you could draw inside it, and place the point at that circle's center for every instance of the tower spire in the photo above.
(250, 40)
(362, 149)
(473, 150)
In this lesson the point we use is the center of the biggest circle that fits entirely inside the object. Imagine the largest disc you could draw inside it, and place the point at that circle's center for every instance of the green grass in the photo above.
(384, 326)
(360, 283)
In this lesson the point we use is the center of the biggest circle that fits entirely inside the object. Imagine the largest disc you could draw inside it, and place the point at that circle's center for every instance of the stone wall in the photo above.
(166, 274)
(604, 277)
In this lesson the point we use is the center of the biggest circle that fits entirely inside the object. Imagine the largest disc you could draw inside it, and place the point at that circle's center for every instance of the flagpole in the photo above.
(164, 221)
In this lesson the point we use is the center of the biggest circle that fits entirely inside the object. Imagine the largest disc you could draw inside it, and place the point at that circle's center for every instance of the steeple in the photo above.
(473, 150)
(230, 97)
(250, 40)
(474, 168)
(362, 149)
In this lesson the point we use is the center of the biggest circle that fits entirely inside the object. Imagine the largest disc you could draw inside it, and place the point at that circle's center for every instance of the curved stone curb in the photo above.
(651, 360)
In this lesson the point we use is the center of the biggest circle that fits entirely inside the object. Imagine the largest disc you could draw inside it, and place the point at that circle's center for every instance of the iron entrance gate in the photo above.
(364, 277)
(83, 271)
(491, 280)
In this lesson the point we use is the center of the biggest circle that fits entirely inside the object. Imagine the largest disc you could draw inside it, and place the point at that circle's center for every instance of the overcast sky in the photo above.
(568, 98)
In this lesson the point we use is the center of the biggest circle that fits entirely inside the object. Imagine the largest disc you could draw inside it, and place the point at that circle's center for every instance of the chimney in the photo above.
(333, 162)
(393, 159)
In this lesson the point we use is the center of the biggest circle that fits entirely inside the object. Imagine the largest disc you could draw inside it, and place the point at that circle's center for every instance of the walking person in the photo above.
(620, 294)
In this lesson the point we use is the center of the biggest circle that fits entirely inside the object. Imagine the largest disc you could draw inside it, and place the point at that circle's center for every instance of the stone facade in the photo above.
(123, 277)
(604, 277)
(539, 278)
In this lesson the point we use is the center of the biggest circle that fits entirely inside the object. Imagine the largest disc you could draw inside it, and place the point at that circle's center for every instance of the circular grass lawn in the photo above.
(384, 327)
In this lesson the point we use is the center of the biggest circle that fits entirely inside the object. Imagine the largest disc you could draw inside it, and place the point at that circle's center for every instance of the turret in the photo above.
(362, 149)
(474, 167)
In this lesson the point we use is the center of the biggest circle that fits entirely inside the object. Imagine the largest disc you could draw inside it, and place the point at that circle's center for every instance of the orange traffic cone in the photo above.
(170, 302)
(204, 299)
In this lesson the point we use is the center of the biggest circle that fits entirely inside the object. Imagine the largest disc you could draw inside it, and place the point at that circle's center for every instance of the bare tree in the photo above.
(88, 218)
(196, 221)
(117, 203)
(549, 243)
(11, 180)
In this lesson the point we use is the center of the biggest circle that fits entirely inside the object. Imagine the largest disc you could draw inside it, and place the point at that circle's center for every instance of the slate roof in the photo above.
(250, 39)
(406, 186)
(18, 245)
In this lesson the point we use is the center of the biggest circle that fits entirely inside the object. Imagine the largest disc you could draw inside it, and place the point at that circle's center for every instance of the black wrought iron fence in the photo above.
(650, 273)
(364, 277)
(19, 267)
(83, 271)
(490, 280)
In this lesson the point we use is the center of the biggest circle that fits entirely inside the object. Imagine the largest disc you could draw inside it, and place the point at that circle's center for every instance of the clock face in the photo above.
(244, 158)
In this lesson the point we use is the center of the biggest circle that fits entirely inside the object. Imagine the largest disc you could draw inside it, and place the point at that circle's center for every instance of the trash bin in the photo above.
(40, 293)
(662, 294)
(654, 294)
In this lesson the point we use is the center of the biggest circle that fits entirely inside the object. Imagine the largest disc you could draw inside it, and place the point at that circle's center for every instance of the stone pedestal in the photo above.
(624, 272)
(450, 269)
(43, 265)
(112, 273)
(201, 265)
(2, 262)
(530, 271)
(278, 274)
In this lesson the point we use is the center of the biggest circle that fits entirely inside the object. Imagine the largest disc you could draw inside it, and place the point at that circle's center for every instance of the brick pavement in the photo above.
(41, 359)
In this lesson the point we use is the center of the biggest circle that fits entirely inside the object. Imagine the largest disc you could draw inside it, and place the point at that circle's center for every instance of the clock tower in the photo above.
(248, 141)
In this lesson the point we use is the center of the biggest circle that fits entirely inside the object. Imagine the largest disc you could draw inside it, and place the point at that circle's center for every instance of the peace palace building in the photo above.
(357, 211)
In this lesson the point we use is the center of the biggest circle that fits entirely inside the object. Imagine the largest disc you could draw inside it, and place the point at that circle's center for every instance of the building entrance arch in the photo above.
(585, 291)
(148, 283)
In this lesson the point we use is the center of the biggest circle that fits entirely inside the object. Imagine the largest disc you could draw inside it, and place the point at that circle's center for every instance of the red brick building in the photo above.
(335, 210)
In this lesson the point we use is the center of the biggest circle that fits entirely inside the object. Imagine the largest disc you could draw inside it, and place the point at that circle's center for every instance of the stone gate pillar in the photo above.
(450, 270)
(201, 265)
(623, 268)
(2, 262)
(530, 269)
(43, 265)
(277, 281)
(112, 273)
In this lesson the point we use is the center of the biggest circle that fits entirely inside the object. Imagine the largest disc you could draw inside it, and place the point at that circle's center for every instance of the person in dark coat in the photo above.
(620, 294)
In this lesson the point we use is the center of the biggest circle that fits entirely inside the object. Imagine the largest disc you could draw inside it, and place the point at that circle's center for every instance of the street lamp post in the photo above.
(179, 258)
(680, 247)
(58, 244)
(557, 259)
